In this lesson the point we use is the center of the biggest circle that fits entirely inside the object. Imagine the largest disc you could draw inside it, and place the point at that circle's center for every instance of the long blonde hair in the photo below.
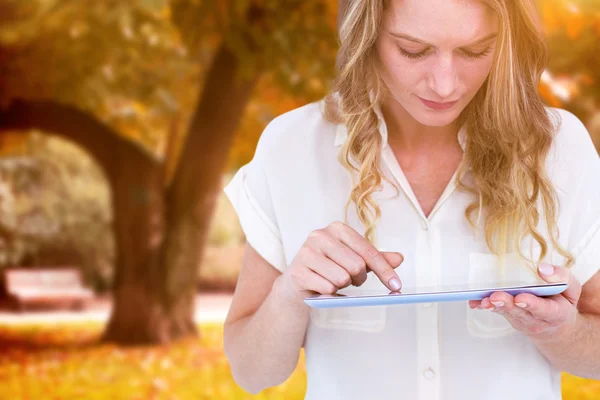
(509, 133)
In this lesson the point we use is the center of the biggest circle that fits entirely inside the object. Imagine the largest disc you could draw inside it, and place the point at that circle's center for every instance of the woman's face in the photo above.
(438, 51)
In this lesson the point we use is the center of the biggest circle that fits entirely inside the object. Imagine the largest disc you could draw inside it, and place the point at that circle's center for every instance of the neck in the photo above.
(406, 133)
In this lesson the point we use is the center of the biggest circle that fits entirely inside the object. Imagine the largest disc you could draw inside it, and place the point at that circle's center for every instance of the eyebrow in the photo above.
(417, 40)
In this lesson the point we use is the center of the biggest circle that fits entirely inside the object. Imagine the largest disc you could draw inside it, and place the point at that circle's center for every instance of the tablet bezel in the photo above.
(425, 295)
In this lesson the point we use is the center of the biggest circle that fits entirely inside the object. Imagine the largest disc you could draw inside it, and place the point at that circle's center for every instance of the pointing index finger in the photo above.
(374, 259)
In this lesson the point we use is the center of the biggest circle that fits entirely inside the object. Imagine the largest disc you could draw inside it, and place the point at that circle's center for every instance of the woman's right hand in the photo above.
(333, 258)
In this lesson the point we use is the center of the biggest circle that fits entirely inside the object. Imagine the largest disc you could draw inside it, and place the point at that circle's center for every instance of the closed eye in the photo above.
(412, 56)
(421, 54)
(478, 55)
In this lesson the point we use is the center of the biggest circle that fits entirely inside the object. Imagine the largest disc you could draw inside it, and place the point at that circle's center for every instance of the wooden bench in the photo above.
(27, 287)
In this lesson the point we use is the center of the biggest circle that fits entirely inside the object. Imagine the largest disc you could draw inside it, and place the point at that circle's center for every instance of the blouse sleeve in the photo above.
(250, 195)
(584, 169)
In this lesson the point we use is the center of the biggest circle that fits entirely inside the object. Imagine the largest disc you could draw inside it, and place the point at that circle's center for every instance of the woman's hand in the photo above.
(336, 257)
(538, 317)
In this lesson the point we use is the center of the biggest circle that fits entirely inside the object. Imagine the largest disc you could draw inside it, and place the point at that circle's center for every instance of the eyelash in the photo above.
(413, 56)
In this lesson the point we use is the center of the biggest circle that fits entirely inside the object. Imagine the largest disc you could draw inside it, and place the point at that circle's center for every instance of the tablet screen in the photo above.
(357, 292)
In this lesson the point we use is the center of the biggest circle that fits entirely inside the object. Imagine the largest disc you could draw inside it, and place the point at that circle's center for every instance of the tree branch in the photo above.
(80, 127)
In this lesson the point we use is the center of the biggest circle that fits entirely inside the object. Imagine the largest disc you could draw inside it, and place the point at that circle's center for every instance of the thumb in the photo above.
(554, 274)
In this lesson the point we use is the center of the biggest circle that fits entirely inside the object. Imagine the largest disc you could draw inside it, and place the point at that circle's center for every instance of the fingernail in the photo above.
(498, 303)
(546, 269)
(521, 305)
(395, 284)
(491, 309)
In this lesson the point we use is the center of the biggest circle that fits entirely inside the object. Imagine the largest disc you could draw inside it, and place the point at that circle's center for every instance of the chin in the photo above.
(435, 118)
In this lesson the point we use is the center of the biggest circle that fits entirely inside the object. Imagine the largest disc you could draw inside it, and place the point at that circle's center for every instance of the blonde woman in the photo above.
(433, 162)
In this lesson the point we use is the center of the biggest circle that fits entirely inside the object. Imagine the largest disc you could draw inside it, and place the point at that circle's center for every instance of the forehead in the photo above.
(441, 22)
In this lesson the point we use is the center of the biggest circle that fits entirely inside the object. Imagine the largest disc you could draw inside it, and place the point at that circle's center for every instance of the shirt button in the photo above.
(429, 374)
(424, 225)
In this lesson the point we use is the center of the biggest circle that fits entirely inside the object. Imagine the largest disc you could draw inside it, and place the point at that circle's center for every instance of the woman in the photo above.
(452, 171)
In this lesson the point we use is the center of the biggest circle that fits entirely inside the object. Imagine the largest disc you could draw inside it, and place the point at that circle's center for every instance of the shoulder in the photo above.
(310, 113)
(573, 161)
(299, 129)
(571, 136)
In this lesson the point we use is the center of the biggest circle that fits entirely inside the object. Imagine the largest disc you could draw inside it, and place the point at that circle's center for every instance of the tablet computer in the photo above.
(358, 298)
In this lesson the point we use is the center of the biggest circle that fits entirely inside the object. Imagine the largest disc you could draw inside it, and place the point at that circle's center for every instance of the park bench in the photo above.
(46, 287)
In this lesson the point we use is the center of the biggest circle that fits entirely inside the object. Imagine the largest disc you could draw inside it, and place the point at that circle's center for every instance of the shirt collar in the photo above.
(341, 134)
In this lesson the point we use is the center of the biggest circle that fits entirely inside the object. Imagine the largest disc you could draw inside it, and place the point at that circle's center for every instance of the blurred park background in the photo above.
(120, 122)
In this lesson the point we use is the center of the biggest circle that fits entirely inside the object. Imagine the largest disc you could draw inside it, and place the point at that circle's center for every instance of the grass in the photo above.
(64, 362)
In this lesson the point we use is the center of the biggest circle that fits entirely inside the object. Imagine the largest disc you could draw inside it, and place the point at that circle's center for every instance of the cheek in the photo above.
(399, 74)
(475, 75)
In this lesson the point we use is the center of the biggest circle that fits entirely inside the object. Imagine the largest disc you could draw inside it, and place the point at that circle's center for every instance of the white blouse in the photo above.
(294, 185)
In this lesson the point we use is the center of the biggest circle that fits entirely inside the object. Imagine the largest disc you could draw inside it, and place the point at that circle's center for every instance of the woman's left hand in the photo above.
(538, 317)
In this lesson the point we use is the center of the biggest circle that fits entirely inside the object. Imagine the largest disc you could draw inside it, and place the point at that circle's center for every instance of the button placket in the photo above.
(427, 316)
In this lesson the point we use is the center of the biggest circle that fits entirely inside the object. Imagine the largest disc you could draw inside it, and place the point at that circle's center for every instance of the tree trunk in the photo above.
(188, 208)
(192, 195)
(140, 313)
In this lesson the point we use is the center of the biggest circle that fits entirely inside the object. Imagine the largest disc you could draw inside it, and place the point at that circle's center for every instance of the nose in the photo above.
(443, 79)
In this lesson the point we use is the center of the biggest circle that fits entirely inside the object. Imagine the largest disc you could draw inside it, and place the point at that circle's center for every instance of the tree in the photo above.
(572, 31)
(128, 82)
(109, 101)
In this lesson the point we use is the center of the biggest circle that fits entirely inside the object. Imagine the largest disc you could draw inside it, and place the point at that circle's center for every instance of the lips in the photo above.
(438, 106)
